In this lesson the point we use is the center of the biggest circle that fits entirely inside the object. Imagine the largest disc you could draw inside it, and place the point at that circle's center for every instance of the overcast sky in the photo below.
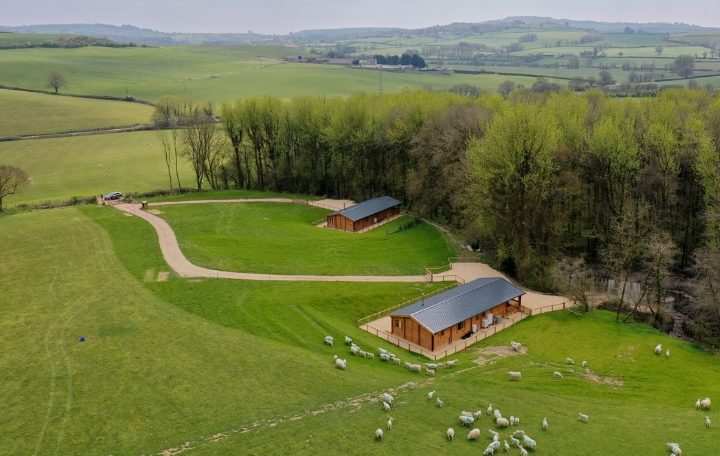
(283, 16)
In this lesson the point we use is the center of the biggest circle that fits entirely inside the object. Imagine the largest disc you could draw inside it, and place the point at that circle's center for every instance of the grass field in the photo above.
(281, 239)
(24, 113)
(236, 367)
(7, 39)
(89, 165)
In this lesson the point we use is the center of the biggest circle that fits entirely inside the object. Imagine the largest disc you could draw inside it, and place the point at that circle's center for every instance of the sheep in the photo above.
(396, 361)
(466, 420)
(697, 404)
(388, 398)
(514, 441)
(658, 349)
(558, 375)
(502, 422)
(378, 433)
(494, 445)
(544, 424)
(488, 451)
(674, 448)
(340, 363)
(348, 341)
(490, 409)
(519, 433)
(667, 354)
(707, 422)
(370, 355)
(439, 365)
(523, 451)
(382, 350)
(512, 420)
(415, 368)
(430, 372)
(497, 414)
(516, 346)
(439, 403)
(384, 357)
(452, 363)
(466, 413)
(478, 414)
(583, 364)
(431, 366)
(362, 353)
(583, 418)
(450, 434)
(705, 404)
(495, 435)
(530, 443)
(329, 340)
(355, 350)
(430, 394)
(474, 434)
(386, 406)
(506, 446)
(389, 423)
(569, 361)
(514, 375)
(517, 421)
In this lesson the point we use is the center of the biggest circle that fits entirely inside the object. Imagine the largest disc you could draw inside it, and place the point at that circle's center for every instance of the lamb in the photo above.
(466, 420)
(514, 441)
(512, 420)
(490, 409)
(530, 443)
(558, 375)
(370, 355)
(439, 403)
(514, 375)
(583, 364)
(497, 414)
(378, 433)
(506, 446)
(386, 406)
(388, 398)
(502, 422)
(667, 354)
(478, 414)
(431, 394)
(396, 361)
(658, 349)
(583, 418)
(569, 361)
(495, 435)
(674, 448)
(450, 434)
(329, 340)
(516, 346)
(452, 363)
(544, 424)
(348, 341)
(705, 404)
(474, 434)
(707, 422)
(523, 451)
(430, 372)
(517, 421)
(519, 433)
(697, 404)
(488, 451)
(431, 366)
(389, 423)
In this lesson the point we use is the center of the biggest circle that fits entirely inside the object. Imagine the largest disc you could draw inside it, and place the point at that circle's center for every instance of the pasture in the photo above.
(278, 238)
(239, 367)
(26, 113)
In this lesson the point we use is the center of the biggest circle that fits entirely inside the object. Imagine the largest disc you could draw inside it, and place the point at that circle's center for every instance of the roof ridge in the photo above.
(457, 296)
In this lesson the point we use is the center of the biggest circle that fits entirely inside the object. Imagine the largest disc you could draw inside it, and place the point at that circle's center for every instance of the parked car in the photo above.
(112, 196)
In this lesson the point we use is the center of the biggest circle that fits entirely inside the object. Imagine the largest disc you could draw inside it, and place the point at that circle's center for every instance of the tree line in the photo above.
(628, 187)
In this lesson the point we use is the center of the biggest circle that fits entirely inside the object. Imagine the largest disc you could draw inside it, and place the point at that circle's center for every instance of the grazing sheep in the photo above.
(450, 434)
(544, 424)
(415, 368)
(329, 340)
(506, 446)
(519, 433)
(431, 394)
(430, 372)
(558, 375)
(495, 435)
(439, 365)
(583, 418)
(697, 404)
(514, 375)
(389, 423)
(384, 357)
(705, 404)
(583, 364)
(494, 445)
(514, 441)
(340, 363)
(490, 409)
(658, 349)
(516, 346)
(452, 363)
(396, 361)
(488, 451)
(512, 420)
(667, 353)
(523, 451)
(348, 340)
(478, 414)
(466, 413)
(707, 422)
(388, 398)
(474, 434)
(386, 406)
(569, 361)
(431, 366)
(502, 422)
(674, 448)
(466, 420)
(517, 421)
(378, 433)
(439, 403)
(370, 355)
(354, 349)
(382, 350)
(530, 443)
(497, 414)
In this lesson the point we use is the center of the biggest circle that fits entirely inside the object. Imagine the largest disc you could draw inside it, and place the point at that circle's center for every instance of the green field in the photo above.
(89, 165)
(281, 239)
(234, 367)
(7, 39)
(25, 113)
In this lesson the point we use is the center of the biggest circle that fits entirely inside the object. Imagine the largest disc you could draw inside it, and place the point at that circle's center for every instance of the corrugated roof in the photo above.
(453, 306)
(367, 208)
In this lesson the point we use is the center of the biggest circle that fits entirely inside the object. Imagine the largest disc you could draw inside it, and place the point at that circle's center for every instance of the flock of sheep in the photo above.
(518, 438)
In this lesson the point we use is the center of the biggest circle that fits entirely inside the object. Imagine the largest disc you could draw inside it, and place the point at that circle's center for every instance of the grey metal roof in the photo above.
(367, 208)
(462, 302)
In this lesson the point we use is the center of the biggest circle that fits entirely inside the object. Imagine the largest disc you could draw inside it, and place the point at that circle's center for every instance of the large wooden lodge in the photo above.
(449, 316)
(364, 215)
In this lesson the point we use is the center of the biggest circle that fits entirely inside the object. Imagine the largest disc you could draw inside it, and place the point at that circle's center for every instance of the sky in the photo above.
(283, 16)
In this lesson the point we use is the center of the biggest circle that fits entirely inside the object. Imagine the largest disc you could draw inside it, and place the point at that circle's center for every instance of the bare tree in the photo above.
(574, 280)
(12, 179)
(204, 147)
(56, 81)
(170, 143)
(621, 253)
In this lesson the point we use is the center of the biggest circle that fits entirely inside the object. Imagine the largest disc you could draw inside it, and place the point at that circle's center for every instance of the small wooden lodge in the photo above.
(365, 214)
(449, 316)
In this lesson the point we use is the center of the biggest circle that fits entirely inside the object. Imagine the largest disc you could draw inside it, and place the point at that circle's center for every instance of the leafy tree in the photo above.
(605, 78)
(56, 81)
(12, 180)
(506, 87)
(684, 65)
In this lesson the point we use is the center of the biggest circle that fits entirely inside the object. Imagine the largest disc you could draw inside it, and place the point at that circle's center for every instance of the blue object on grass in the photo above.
(82, 339)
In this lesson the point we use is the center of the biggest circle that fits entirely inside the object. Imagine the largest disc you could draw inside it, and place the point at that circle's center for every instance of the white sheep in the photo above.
(506, 446)
(382, 350)
(494, 445)
(432, 366)
(340, 363)
(514, 441)
(431, 394)
(354, 349)
(583, 418)
(452, 363)
(450, 434)
(386, 406)
(466, 413)
(523, 451)
(512, 420)
(478, 414)
(388, 398)
(530, 443)
(658, 349)
(514, 375)
(430, 372)
(466, 420)
(583, 364)
(697, 404)
(705, 404)
(495, 435)
(497, 414)
(490, 409)
(707, 422)
(378, 433)
(390, 423)
(348, 340)
(370, 355)
(502, 422)
(396, 361)
(439, 403)
(569, 361)
(474, 434)
(544, 424)
(329, 340)
(439, 365)
(517, 421)
(488, 451)
(558, 375)
(519, 433)
(667, 353)
(516, 346)
(674, 448)
(415, 368)
(384, 357)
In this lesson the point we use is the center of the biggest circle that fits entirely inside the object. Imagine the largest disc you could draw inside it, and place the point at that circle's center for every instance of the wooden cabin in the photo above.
(365, 214)
(446, 317)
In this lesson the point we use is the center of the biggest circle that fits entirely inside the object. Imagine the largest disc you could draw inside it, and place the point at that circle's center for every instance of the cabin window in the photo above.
(461, 325)
(398, 323)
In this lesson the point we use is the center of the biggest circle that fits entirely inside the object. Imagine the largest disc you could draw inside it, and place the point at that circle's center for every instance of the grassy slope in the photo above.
(23, 113)
(89, 165)
(280, 238)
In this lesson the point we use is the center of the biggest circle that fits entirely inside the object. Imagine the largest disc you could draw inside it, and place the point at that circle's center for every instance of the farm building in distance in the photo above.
(364, 215)
(449, 316)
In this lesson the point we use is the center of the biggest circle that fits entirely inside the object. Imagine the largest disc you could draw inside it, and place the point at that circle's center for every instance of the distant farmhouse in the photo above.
(454, 314)
(364, 215)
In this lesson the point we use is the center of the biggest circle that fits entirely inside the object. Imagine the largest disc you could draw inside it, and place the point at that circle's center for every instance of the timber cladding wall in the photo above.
(340, 222)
